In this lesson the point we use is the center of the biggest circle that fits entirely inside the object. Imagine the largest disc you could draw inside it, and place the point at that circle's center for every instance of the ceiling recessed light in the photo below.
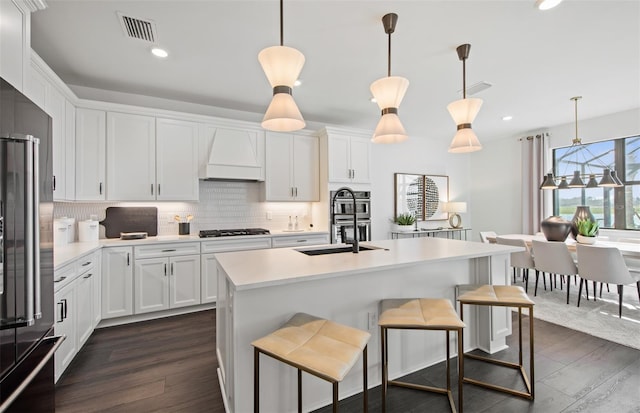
(547, 4)
(297, 82)
(507, 117)
(159, 52)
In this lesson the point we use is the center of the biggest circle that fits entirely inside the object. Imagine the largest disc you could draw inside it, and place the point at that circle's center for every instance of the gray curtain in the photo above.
(533, 152)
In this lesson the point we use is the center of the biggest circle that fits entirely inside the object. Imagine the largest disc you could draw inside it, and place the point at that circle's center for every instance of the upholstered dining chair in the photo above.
(553, 257)
(485, 234)
(522, 260)
(604, 265)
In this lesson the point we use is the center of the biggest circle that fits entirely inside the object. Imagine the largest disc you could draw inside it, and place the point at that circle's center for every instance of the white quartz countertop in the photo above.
(270, 267)
(64, 254)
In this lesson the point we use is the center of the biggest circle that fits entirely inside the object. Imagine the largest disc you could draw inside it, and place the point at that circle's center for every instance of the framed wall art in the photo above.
(421, 195)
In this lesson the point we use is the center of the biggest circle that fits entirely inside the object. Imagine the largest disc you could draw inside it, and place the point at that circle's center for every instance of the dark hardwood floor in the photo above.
(169, 365)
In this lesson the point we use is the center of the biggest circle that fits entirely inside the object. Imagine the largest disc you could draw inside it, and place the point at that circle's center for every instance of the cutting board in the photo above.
(130, 219)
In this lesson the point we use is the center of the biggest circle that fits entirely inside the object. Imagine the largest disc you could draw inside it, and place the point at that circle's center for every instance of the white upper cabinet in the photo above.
(131, 157)
(177, 160)
(70, 150)
(55, 106)
(348, 158)
(90, 154)
(14, 43)
(231, 153)
(292, 168)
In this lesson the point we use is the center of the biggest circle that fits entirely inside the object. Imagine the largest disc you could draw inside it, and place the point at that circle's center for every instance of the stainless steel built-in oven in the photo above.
(341, 216)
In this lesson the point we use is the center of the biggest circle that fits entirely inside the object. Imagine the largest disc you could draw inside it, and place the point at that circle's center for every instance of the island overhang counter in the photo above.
(259, 290)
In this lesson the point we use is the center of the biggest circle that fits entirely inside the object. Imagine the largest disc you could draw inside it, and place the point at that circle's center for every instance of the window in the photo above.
(613, 207)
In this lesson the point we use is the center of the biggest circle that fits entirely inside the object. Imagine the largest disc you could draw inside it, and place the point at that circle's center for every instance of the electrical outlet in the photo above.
(372, 321)
(269, 215)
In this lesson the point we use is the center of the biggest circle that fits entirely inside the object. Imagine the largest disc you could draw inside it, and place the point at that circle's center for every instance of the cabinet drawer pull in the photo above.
(302, 240)
(165, 270)
(61, 312)
(87, 276)
(86, 263)
(170, 250)
(60, 279)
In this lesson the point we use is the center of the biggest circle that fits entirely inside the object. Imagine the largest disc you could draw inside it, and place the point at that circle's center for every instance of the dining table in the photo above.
(627, 249)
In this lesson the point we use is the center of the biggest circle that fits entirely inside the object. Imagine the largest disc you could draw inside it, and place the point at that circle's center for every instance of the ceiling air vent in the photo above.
(138, 28)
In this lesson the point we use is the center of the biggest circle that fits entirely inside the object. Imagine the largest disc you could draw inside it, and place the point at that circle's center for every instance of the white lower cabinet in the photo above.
(65, 325)
(299, 240)
(209, 287)
(75, 306)
(117, 282)
(166, 280)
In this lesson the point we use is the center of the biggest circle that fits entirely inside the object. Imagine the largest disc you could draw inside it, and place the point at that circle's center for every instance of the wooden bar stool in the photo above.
(503, 296)
(420, 314)
(317, 346)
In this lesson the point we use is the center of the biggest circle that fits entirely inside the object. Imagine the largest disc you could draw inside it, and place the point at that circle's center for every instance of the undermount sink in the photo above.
(335, 250)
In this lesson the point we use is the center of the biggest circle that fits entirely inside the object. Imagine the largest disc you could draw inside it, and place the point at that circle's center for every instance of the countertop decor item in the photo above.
(282, 66)
(388, 93)
(464, 111)
(130, 219)
(587, 231)
(583, 212)
(556, 228)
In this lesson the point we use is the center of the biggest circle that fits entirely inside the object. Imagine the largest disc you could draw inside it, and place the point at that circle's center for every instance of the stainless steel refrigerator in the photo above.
(27, 343)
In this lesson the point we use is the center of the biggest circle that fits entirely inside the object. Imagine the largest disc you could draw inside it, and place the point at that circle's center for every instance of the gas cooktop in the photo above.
(209, 233)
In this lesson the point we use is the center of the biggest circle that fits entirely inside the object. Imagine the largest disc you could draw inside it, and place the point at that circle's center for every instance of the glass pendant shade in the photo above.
(607, 180)
(576, 181)
(389, 130)
(592, 181)
(389, 91)
(283, 114)
(282, 66)
(549, 182)
(463, 112)
(563, 183)
(465, 140)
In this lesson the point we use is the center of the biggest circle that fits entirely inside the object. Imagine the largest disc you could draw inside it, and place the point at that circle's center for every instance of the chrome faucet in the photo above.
(356, 247)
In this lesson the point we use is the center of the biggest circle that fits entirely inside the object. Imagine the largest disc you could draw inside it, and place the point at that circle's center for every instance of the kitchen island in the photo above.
(260, 290)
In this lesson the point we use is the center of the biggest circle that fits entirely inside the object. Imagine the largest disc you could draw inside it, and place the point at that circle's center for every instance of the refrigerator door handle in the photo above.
(36, 230)
(57, 341)
(28, 234)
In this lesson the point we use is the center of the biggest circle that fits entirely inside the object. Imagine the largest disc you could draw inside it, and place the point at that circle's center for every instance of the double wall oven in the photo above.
(341, 216)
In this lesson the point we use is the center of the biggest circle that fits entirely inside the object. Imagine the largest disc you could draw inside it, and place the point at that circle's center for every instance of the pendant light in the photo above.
(388, 93)
(463, 112)
(609, 177)
(282, 65)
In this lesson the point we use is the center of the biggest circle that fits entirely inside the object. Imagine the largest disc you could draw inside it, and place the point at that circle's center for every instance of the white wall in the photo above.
(417, 155)
(496, 173)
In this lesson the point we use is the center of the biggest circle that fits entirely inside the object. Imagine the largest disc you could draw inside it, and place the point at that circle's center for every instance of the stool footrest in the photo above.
(498, 388)
(523, 374)
(430, 389)
(418, 387)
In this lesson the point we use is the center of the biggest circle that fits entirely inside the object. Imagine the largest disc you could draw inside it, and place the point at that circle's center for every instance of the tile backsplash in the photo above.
(223, 204)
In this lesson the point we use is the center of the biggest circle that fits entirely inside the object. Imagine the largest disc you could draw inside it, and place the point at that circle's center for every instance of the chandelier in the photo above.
(580, 155)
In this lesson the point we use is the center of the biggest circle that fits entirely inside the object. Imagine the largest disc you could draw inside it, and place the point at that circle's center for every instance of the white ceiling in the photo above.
(535, 60)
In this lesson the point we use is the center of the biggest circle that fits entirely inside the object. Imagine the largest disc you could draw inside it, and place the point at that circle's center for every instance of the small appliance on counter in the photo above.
(64, 231)
(88, 231)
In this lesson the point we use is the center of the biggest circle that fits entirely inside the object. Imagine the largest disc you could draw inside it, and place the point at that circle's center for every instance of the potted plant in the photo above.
(405, 221)
(587, 231)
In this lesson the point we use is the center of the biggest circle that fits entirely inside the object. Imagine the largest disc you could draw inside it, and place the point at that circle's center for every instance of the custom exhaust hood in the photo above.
(234, 154)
